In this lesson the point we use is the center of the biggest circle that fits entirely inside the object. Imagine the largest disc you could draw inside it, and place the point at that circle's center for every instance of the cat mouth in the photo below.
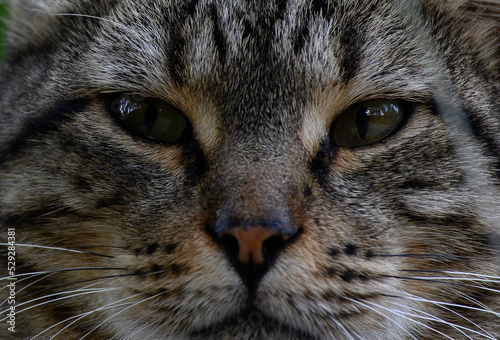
(256, 321)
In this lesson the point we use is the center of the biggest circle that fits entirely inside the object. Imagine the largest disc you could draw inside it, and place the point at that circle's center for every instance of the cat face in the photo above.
(252, 170)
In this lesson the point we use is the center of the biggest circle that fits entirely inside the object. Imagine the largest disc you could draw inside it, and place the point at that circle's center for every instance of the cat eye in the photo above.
(150, 118)
(368, 122)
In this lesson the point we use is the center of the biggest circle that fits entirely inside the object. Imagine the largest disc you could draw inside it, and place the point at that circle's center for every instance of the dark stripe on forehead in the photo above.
(259, 20)
(323, 8)
(46, 122)
(176, 19)
(352, 40)
(301, 37)
(218, 35)
(267, 13)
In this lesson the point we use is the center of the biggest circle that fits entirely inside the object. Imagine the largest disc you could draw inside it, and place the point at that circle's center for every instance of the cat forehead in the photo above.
(146, 45)
(210, 37)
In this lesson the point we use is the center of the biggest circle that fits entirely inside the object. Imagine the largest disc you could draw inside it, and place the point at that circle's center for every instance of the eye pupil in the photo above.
(362, 121)
(150, 116)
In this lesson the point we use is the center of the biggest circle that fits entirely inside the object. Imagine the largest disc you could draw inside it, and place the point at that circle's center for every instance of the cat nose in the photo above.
(252, 249)
(253, 242)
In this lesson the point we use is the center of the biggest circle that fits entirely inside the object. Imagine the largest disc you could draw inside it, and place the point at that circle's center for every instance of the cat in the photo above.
(199, 169)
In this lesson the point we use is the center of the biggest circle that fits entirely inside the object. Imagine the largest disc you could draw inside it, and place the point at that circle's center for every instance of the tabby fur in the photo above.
(394, 240)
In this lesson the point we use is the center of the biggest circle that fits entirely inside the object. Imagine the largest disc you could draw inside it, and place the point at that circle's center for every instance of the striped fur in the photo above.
(395, 240)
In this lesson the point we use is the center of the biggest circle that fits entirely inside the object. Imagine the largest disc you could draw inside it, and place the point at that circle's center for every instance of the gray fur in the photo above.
(396, 240)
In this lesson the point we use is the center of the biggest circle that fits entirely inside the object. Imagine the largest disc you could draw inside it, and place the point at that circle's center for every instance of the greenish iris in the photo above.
(368, 122)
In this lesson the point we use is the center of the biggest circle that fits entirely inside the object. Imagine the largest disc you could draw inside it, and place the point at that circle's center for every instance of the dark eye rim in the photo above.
(108, 98)
(408, 108)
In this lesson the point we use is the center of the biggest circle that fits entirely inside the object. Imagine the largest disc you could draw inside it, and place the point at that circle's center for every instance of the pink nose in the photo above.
(251, 242)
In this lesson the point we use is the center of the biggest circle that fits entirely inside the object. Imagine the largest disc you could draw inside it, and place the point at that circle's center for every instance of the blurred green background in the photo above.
(3, 14)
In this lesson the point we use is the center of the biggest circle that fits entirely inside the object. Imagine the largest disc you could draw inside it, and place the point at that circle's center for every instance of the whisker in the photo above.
(23, 277)
(45, 297)
(172, 331)
(85, 292)
(85, 16)
(449, 304)
(77, 282)
(137, 330)
(27, 286)
(443, 278)
(474, 274)
(484, 307)
(436, 256)
(457, 327)
(426, 279)
(112, 316)
(398, 313)
(78, 317)
(115, 304)
(58, 248)
(476, 302)
(55, 271)
(55, 294)
(345, 331)
(484, 276)
(61, 208)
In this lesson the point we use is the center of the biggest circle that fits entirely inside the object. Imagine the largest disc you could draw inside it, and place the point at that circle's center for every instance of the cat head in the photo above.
(251, 169)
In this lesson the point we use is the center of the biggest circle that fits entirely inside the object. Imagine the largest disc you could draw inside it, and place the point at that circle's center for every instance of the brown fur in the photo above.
(116, 235)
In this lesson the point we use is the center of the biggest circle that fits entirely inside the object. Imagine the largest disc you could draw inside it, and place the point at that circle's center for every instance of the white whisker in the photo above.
(44, 247)
(450, 281)
(137, 330)
(476, 302)
(85, 16)
(114, 304)
(83, 292)
(28, 285)
(112, 316)
(82, 315)
(496, 278)
(444, 278)
(55, 271)
(55, 248)
(398, 313)
(449, 304)
(459, 328)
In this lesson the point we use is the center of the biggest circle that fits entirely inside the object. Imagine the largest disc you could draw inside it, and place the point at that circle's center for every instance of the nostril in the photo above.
(273, 245)
(230, 245)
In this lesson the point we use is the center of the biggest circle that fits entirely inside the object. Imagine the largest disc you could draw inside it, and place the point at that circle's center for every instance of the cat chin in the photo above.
(254, 323)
